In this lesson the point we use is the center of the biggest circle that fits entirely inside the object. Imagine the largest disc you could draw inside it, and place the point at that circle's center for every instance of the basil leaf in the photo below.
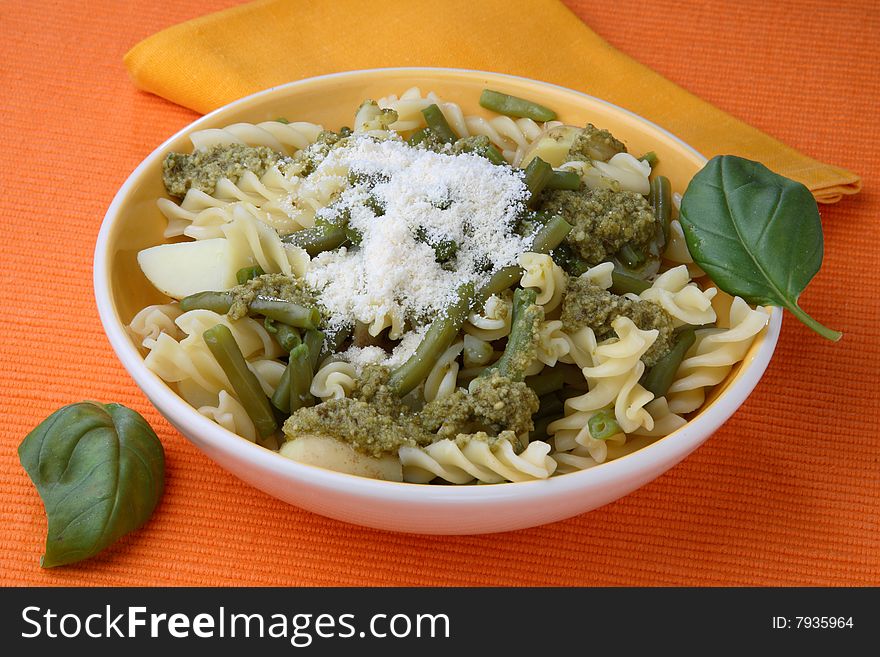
(100, 472)
(758, 235)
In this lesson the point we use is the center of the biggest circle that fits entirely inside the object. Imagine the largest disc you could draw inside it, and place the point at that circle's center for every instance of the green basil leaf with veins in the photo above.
(758, 235)
(100, 470)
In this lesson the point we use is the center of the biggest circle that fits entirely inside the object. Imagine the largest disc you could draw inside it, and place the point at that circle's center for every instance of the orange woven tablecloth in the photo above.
(787, 492)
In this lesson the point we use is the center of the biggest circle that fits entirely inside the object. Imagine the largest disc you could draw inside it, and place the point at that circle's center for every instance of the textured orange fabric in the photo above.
(209, 62)
(787, 492)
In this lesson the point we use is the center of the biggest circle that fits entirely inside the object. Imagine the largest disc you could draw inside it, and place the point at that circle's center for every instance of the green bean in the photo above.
(564, 180)
(622, 283)
(285, 312)
(650, 157)
(281, 396)
(494, 155)
(519, 351)
(661, 375)
(245, 274)
(218, 302)
(314, 340)
(317, 239)
(281, 119)
(245, 384)
(437, 122)
(301, 373)
(501, 280)
(440, 335)
(571, 262)
(546, 382)
(514, 106)
(603, 425)
(551, 235)
(537, 174)
(631, 256)
(417, 137)
(660, 198)
(288, 337)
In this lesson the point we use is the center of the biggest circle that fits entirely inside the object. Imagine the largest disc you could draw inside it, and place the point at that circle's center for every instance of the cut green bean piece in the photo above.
(546, 382)
(519, 351)
(440, 335)
(631, 257)
(301, 373)
(537, 175)
(437, 122)
(494, 155)
(314, 340)
(501, 280)
(245, 274)
(285, 312)
(245, 384)
(650, 157)
(564, 180)
(624, 283)
(662, 374)
(515, 106)
(218, 302)
(317, 239)
(281, 396)
(417, 137)
(287, 336)
(603, 425)
(660, 198)
(551, 235)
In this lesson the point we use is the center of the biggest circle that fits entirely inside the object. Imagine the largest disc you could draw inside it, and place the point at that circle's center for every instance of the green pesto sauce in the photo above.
(603, 220)
(202, 169)
(587, 304)
(375, 422)
(274, 286)
(494, 404)
(594, 144)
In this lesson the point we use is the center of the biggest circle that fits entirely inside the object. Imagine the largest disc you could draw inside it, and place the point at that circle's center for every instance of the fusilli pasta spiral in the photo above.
(546, 276)
(710, 359)
(476, 461)
(334, 379)
(285, 138)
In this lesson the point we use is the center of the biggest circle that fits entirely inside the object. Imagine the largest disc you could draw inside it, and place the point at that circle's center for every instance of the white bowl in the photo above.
(132, 223)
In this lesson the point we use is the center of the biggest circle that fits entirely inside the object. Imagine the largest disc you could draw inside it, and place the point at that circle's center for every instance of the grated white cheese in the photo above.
(362, 356)
(392, 277)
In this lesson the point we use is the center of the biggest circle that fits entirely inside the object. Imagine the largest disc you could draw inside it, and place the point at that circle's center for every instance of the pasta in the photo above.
(616, 374)
(512, 137)
(415, 307)
(542, 273)
(287, 138)
(476, 461)
(441, 381)
(713, 355)
(494, 322)
(333, 380)
(153, 320)
(683, 300)
(230, 415)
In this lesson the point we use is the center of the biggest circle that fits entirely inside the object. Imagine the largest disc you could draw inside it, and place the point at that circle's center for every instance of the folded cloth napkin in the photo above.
(210, 61)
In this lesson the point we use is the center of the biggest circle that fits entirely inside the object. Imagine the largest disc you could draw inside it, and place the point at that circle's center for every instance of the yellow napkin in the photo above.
(210, 61)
